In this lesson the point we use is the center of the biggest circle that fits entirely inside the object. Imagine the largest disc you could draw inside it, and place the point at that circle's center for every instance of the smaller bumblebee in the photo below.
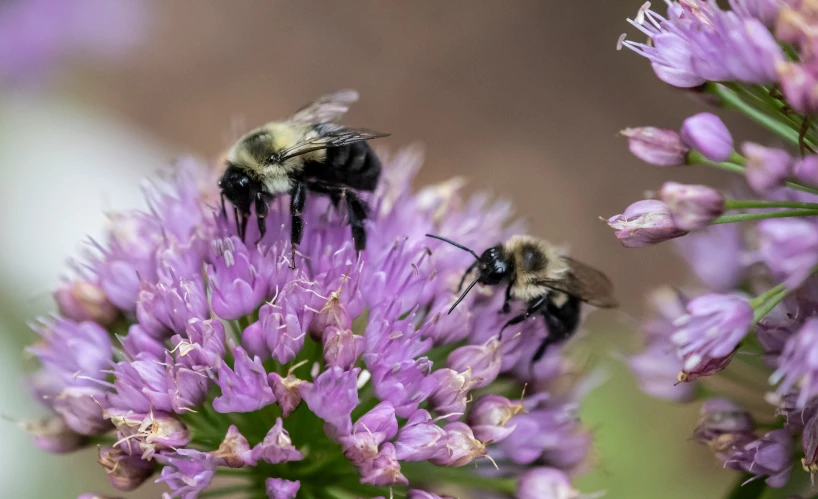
(536, 273)
(306, 152)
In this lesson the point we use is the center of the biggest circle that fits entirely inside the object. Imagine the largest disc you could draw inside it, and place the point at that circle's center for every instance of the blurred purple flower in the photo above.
(715, 255)
(657, 370)
(548, 483)
(798, 364)
(712, 329)
(38, 35)
(789, 247)
(769, 456)
(767, 168)
(806, 170)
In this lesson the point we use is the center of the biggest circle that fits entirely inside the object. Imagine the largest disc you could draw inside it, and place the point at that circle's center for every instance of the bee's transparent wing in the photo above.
(326, 109)
(336, 136)
(586, 283)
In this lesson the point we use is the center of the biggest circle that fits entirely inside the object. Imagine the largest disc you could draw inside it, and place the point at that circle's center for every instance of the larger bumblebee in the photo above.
(306, 152)
(549, 283)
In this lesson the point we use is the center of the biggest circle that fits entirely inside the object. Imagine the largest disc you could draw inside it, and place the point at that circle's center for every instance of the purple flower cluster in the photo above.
(190, 354)
(756, 301)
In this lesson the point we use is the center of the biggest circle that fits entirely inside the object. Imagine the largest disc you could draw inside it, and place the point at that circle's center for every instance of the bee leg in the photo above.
(241, 222)
(358, 212)
(507, 301)
(465, 275)
(297, 200)
(224, 210)
(261, 214)
(561, 321)
(534, 306)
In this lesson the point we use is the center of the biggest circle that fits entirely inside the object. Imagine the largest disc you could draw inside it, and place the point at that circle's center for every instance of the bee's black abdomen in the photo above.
(355, 166)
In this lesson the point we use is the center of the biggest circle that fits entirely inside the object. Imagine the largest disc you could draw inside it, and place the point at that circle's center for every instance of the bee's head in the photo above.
(493, 265)
(238, 187)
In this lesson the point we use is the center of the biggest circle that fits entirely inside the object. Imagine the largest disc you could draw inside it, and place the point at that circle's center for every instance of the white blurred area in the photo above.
(61, 167)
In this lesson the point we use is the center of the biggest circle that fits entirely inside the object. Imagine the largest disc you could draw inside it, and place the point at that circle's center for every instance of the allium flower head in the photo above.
(225, 357)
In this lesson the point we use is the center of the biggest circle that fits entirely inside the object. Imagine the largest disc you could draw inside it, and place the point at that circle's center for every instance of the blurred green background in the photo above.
(524, 98)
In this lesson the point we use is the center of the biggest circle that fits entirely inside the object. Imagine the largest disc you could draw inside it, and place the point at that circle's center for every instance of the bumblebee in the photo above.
(308, 152)
(549, 283)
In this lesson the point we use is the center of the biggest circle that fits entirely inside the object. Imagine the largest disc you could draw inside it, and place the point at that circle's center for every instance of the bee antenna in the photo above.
(463, 295)
(455, 245)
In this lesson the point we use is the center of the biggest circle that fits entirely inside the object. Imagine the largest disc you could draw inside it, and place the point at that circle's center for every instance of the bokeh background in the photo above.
(524, 98)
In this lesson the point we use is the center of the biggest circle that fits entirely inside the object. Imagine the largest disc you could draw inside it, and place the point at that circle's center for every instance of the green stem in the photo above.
(764, 309)
(762, 99)
(223, 491)
(737, 158)
(731, 99)
(734, 204)
(752, 490)
(763, 297)
(735, 166)
(743, 217)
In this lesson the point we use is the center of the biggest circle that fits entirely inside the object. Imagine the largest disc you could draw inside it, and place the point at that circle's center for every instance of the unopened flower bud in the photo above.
(706, 133)
(384, 470)
(645, 223)
(720, 416)
(279, 488)
(124, 472)
(692, 207)
(286, 391)
(277, 446)
(332, 314)
(484, 361)
(490, 415)
(53, 435)
(656, 146)
(234, 451)
(85, 300)
(341, 347)
(461, 446)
